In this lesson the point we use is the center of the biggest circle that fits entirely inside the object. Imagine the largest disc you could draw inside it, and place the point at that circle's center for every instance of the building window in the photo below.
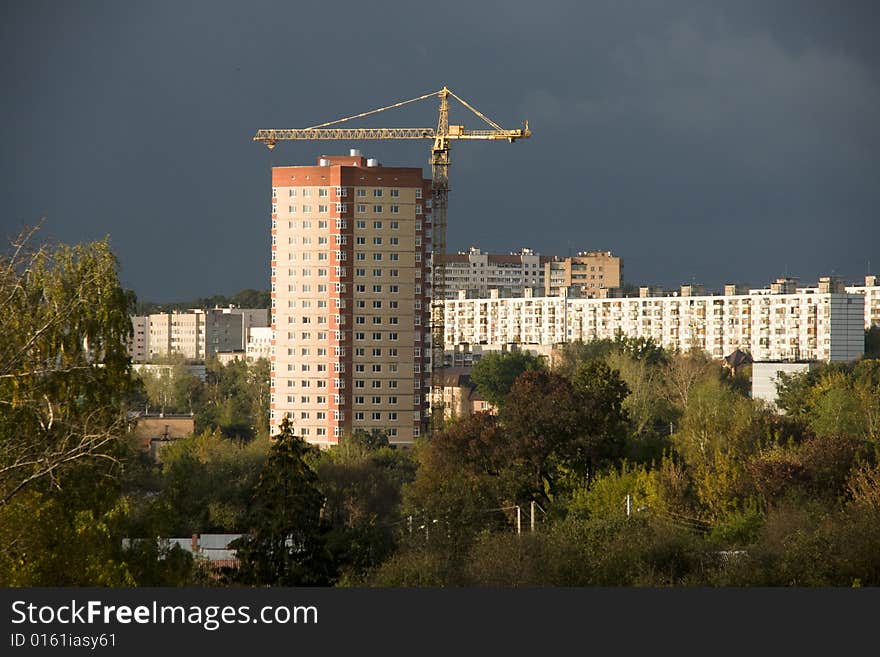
(322, 192)
(377, 192)
(395, 209)
(361, 192)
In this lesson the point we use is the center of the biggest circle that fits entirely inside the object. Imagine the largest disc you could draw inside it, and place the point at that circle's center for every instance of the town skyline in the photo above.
(701, 142)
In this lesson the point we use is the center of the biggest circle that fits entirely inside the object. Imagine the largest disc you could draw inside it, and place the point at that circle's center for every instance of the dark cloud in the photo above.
(701, 141)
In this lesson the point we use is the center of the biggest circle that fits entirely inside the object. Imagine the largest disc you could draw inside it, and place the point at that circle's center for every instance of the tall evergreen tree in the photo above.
(285, 543)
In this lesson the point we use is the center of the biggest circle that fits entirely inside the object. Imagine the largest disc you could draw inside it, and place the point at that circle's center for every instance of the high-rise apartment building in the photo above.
(350, 298)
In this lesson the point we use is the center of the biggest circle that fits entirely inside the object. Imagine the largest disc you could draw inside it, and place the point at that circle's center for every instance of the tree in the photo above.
(64, 367)
(362, 480)
(720, 431)
(173, 388)
(495, 373)
(284, 544)
(872, 342)
(462, 473)
(685, 371)
(235, 399)
(557, 429)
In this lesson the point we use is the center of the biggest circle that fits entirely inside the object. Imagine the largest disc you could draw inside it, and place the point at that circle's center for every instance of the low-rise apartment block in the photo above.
(197, 334)
(477, 272)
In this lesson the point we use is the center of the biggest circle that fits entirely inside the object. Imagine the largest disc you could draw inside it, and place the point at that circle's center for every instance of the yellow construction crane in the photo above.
(442, 136)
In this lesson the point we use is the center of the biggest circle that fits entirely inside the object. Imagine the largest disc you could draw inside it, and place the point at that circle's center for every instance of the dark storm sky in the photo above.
(701, 141)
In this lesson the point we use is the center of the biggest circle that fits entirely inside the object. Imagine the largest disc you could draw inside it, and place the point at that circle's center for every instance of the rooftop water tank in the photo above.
(354, 152)
(372, 162)
(324, 162)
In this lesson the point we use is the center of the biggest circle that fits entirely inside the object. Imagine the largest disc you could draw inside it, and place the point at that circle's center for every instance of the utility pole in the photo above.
(532, 518)
(518, 520)
(629, 502)
(409, 523)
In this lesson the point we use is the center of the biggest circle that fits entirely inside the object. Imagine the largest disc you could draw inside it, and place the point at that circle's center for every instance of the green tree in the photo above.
(720, 431)
(64, 367)
(285, 543)
(557, 430)
(235, 399)
(362, 480)
(172, 387)
(495, 373)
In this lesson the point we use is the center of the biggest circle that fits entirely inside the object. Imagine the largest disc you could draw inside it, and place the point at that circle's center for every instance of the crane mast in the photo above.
(442, 136)
(439, 198)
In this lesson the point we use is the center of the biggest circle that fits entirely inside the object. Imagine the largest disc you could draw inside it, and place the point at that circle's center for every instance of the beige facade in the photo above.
(477, 272)
(584, 274)
(197, 334)
(350, 298)
(182, 333)
(460, 397)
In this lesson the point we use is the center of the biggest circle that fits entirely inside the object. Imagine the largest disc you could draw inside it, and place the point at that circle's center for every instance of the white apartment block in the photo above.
(259, 343)
(871, 291)
(477, 272)
(802, 326)
(197, 334)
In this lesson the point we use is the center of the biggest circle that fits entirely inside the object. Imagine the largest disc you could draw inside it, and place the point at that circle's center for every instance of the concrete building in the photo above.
(804, 325)
(197, 334)
(259, 343)
(176, 332)
(871, 291)
(584, 274)
(765, 376)
(477, 272)
(350, 298)
(138, 346)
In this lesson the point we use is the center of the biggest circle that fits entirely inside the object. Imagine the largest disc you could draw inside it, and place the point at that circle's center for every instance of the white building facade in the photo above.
(197, 334)
(799, 326)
